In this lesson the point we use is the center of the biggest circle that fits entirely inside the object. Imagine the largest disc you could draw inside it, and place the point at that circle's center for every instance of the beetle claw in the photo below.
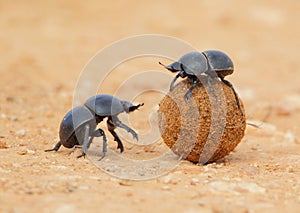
(102, 156)
(187, 96)
(120, 146)
(81, 155)
(135, 135)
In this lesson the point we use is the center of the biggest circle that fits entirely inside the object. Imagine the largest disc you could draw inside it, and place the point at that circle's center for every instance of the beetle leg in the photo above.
(111, 127)
(98, 133)
(104, 148)
(57, 146)
(211, 88)
(190, 90)
(173, 82)
(118, 123)
(234, 92)
(85, 142)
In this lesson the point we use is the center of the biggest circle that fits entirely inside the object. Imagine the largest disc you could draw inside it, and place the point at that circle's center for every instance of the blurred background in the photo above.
(53, 40)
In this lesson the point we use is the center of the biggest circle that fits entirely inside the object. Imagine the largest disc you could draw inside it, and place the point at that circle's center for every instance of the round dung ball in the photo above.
(205, 127)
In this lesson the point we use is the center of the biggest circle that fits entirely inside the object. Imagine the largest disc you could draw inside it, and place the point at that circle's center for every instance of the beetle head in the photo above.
(174, 67)
(129, 107)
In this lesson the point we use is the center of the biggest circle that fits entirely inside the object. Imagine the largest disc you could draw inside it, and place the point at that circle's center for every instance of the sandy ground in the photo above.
(45, 45)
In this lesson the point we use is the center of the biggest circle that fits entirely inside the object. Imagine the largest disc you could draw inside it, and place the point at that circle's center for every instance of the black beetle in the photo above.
(78, 126)
(213, 63)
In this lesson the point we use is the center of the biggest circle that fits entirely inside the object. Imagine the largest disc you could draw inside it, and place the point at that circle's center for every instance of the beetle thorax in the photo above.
(194, 63)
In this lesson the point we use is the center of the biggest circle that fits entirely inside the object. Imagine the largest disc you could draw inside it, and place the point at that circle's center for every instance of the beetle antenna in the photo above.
(161, 64)
(136, 107)
(139, 105)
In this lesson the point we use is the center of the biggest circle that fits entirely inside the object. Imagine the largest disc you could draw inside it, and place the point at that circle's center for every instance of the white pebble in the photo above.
(17, 165)
(21, 132)
(58, 167)
(4, 171)
(167, 179)
(194, 181)
(289, 137)
(29, 151)
(166, 188)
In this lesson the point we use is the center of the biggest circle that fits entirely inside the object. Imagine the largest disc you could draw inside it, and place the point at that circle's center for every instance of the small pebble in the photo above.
(83, 187)
(21, 132)
(293, 101)
(4, 171)
(4, 180)
(22, 152)
(10, 99)
(95, 178)
(58, 167)
(3, 145)
(166, 188)
(14, 119)
(167, 179)
(289, 137)
(17, 165)
(194, 181)
(109, 169)
(29, 151)
(125, 183)
(65, 208)
(290, 169)
(141, 173)
(283, 111)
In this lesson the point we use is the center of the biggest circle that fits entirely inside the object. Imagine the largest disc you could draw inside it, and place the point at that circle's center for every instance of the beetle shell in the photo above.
(219, 62)
(71, 130)
(104, 105)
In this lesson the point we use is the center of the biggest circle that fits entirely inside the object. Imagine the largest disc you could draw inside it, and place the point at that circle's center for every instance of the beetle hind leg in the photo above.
(55, 148)
(211, 88)
(234, 92)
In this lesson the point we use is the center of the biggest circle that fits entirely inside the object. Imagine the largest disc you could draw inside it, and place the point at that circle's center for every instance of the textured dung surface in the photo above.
(192, 129)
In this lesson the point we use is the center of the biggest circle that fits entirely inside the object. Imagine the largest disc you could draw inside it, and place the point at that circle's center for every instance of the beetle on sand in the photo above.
(78, 126)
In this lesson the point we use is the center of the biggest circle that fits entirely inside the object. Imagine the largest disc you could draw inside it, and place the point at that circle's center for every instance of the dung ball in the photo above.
(207, 126)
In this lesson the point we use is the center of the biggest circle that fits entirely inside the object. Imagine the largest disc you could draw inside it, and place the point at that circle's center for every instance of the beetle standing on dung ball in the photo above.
(212, 63)
(78, 126)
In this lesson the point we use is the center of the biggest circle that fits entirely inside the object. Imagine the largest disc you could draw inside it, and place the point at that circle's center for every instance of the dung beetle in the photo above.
(78, 126)
(212, 63)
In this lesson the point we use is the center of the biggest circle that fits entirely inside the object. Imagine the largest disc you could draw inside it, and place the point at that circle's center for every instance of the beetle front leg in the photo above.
(111, 128)
(118, 123)
(98, 133)
(173, 82)
(104, 147)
